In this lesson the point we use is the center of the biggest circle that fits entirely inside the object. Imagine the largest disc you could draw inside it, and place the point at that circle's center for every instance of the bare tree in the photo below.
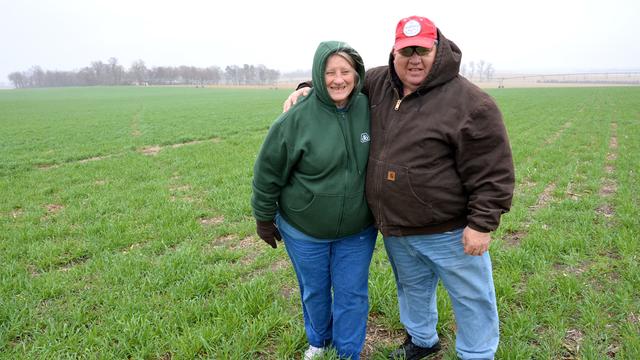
(480, 69)
(18, 79)
(86, 76)
(250, 74)
(214, 75)
(115, 71)
(232, 74)
(489, 71)
(162, 75)
(138, 72)
(37, 76)
(472, 69)
(100, 72)
(112, 73)
(272, 76)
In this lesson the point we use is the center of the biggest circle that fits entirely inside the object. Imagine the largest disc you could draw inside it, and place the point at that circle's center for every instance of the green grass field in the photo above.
(126, 229)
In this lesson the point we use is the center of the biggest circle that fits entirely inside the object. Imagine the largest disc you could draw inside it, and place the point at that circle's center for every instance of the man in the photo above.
(439, 177)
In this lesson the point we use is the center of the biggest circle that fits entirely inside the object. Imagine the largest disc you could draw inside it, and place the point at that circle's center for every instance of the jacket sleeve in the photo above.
(485, 166)
(270, 173)
(306, 84)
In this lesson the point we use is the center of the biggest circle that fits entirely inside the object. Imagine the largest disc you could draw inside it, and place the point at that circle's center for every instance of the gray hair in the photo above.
(343, 54)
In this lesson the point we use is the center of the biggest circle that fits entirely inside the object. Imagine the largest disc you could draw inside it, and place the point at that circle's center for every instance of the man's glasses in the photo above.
(409, 50)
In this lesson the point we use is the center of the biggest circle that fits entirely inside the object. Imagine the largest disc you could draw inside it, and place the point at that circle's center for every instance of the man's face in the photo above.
(412, 69)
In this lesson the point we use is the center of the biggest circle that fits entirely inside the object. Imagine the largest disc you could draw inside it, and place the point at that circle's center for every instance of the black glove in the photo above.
(268, 232)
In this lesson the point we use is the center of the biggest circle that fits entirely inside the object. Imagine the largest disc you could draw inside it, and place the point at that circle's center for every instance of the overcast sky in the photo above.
(533, 36)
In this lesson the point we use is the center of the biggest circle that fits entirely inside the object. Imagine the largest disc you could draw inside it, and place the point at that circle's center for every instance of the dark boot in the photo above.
(410, 351)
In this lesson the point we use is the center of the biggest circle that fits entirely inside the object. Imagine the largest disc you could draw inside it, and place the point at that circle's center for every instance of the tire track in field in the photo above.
(548, 142)
(574, 336)
(553, 138)
(609, 186)
(251, 246)
(513, 238)
(135, 122)
(153, 150)
(66, 260)
(150, 150)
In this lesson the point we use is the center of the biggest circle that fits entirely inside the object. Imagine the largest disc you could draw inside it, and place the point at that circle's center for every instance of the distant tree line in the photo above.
(112, 73)
(480, 70)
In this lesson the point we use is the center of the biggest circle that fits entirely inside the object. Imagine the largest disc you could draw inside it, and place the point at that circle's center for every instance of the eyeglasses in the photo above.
(421, 51)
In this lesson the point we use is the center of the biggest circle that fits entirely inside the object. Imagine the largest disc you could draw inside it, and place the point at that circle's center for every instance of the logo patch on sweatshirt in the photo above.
(364, 137)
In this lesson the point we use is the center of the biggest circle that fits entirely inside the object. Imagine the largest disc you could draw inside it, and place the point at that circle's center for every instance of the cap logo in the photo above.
(411, 28)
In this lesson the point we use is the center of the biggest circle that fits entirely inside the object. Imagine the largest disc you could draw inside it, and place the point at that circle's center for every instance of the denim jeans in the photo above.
(341, 265)
(418, 263)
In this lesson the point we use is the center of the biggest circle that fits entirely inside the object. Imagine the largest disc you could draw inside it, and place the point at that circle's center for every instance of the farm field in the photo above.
(126, 229)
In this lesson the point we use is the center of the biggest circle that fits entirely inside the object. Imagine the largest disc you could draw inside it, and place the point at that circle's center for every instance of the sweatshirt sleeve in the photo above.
(270, 173)
(485, 165)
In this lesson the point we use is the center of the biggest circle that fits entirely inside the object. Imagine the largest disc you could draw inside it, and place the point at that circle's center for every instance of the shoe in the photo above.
(312, 352)
(411, 351)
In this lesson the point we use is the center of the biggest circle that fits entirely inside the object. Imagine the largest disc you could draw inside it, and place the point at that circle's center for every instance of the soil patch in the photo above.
(609, 188)
(221, 242)
(73, 262)
(54, 208)
(545, 197)
(512, 239)
(379, 336)
(212, 221)
(95, 158)
(48, 166)
(246, 243)
(573, 270)
(151, 150)
(605, 210)
(195, 142)
(572, 341)
(180, 188)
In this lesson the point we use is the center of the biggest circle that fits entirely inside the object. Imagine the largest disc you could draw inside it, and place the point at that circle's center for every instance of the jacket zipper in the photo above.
(342, 117)
(379, 178)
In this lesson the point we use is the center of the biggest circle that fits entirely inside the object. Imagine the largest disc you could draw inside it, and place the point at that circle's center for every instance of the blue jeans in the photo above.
(339, 264)
(418, 263)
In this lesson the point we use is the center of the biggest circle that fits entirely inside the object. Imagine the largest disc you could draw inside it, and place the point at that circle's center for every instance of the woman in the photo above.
(309, 180)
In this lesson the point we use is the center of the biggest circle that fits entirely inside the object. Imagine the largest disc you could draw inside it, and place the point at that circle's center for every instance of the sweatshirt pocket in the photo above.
(356, 214)
(313, 214)
(400, 205)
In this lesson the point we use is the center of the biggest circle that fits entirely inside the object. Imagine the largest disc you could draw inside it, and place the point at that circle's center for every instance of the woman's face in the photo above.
(340, 78)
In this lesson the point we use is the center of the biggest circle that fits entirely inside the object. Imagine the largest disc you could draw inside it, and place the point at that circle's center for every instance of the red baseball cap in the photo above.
(415, 31)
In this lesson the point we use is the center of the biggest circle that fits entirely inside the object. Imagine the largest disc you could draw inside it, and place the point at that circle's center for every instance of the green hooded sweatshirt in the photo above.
(312, 165)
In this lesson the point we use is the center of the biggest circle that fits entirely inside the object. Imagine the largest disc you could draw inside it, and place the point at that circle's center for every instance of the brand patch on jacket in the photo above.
(364, 137)
(391, 175)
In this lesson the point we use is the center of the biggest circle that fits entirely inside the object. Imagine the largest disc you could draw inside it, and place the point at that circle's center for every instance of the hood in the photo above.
(326, 49)
(445, 67)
